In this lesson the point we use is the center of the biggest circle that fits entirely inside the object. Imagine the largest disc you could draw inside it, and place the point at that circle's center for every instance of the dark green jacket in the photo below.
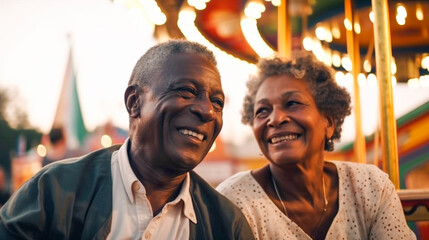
(72, 199)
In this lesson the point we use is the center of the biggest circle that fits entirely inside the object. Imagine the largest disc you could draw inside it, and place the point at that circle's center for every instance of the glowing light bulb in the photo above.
(347, 24)
(106, 141)
(371, 16)
(372, 79)
(336, 60)
(346, 63)
(419, 12)
(41, 150)
(366, 66)
(361, 79)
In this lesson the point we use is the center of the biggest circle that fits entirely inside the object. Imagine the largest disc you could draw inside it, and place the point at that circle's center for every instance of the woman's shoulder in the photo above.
(358, 172)
(238, 180)
(346, 166)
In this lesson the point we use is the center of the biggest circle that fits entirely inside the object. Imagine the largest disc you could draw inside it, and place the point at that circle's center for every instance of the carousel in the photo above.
(379, 41)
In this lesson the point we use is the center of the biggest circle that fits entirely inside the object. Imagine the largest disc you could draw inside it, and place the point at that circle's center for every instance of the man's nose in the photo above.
(203, 108)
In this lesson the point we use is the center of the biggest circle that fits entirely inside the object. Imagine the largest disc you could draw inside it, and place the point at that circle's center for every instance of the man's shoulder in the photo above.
(93, 157)
(216, 213)
(78, 167)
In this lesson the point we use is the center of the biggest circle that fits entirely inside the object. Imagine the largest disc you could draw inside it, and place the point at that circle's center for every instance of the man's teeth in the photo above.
(192, 133)
(284, 138)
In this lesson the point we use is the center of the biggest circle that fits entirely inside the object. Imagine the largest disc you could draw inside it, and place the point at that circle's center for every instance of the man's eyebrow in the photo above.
(219, 92)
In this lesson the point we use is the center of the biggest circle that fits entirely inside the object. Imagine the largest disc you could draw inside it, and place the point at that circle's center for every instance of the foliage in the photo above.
(9, 135)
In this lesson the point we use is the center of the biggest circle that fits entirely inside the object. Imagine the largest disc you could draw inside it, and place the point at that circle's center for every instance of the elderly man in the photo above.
(144, 189)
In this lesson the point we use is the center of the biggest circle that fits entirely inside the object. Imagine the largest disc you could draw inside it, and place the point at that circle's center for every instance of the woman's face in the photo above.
(287, 124)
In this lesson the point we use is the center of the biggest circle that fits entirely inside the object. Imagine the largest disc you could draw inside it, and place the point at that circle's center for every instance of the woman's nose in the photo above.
(277, 118)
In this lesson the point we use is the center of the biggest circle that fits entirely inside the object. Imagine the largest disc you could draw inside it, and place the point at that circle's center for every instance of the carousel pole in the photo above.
(383, 55)
(284, 30)
(353, 51)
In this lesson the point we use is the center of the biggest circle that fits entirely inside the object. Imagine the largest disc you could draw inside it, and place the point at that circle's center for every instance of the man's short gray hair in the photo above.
(153, 60)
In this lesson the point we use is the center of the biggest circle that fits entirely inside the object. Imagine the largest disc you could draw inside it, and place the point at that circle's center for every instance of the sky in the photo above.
(35, 38)
(106, 41)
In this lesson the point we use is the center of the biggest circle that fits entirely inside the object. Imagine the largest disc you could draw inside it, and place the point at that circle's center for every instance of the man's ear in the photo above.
(132, 101)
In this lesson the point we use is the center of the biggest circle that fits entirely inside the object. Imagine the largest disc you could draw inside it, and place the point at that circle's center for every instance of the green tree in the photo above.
(9, 135)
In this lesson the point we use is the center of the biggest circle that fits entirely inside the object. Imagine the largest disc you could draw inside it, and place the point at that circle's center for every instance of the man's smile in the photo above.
(192, 133)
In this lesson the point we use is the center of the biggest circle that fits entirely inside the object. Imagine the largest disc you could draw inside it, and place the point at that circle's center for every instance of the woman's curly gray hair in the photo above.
(332, 100)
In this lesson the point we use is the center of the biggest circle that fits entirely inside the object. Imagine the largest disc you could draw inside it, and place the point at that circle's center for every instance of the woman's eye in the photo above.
(292, 103)
(261, 112)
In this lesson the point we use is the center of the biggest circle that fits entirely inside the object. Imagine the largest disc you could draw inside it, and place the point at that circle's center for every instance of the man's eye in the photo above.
(218, 103)
(187, 91)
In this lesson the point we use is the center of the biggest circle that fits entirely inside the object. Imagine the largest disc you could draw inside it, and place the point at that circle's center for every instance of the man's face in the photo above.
(181, 113)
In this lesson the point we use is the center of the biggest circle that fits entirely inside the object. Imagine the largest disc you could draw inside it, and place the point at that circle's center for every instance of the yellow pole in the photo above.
(353, 51)
(284, 30)
(383, 55)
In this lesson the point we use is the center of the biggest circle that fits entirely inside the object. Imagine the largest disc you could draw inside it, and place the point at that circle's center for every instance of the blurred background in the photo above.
(64, 67)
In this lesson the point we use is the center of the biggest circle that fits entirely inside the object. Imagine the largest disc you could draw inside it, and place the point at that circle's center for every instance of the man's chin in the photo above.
(184, 165)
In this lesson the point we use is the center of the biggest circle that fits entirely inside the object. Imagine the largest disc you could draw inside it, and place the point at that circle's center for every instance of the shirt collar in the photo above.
(129, 178)
(127, 175)
(185, 196)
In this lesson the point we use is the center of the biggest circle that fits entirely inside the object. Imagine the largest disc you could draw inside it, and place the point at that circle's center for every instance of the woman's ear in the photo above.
(132, 101)
(330, 128)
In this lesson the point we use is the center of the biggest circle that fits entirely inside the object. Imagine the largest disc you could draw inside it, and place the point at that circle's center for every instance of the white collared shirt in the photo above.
(132, 214)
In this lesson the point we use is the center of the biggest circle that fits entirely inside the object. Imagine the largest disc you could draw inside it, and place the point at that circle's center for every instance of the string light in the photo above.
(419, 12)
(336, 59)
(393, 66)
(413, 83)
(366, 65)
(371, 16)
(198, 4)
(424, 81)
(401, 14)
(339, 78)
(361, 79)
(336, 32)
(347, 24)
(372, 79)
(106, 141)
(153, 11)
(425, 62)
(254, 9)
(346, 63)
(394, 81)
(357, 28)
(307, 43)
(253, 37)
(41, 150)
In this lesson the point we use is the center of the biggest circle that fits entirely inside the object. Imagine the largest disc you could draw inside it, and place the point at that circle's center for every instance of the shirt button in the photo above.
(136, 186)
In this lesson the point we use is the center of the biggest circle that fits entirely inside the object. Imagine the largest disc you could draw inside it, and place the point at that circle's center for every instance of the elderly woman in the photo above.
(296, 111)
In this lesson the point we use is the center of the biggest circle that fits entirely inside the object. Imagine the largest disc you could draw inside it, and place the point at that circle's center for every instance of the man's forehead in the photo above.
(190, 64)
(188, 58)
